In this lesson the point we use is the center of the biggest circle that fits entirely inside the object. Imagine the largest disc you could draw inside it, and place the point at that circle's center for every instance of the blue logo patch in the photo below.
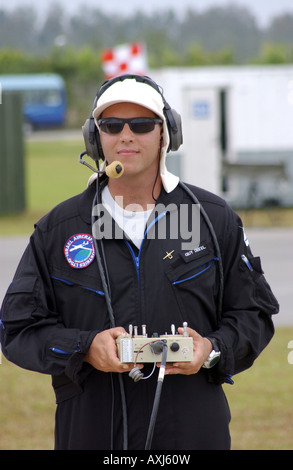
(79, 250)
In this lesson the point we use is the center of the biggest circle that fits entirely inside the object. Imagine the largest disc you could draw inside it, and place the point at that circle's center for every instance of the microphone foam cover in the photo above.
(114, 170)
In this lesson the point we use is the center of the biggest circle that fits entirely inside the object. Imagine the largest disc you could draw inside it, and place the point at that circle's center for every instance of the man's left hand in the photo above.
(201, 350)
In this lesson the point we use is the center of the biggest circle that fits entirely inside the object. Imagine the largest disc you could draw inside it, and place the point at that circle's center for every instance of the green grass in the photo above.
(52, 174)
(260, 402)
(261, 399)
(27, 409)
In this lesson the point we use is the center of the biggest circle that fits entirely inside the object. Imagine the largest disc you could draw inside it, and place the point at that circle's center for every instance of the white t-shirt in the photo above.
(133, 223)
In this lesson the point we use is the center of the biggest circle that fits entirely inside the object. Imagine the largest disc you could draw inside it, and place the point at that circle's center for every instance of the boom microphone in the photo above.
(114, 170)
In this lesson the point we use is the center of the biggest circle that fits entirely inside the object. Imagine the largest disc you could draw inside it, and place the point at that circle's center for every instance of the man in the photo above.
(80, 285)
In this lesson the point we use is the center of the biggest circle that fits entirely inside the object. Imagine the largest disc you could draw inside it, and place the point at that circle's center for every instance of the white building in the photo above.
(237, 130)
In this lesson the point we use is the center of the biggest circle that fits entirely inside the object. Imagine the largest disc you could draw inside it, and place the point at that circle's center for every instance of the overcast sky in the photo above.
(264, 10)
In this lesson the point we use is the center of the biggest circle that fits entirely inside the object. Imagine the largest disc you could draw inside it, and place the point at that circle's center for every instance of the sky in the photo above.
(263, 10)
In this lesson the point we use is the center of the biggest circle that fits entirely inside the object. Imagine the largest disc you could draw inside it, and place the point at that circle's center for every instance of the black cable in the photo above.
(157, 398)
(103, 276)
(216, 244)
(102, 271)
(157, 175)
(112, 412)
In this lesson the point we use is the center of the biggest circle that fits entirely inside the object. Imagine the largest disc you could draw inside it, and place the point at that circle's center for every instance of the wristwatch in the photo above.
(214, 355)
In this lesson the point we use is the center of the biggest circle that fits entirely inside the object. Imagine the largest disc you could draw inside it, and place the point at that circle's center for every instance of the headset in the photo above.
(90, 131)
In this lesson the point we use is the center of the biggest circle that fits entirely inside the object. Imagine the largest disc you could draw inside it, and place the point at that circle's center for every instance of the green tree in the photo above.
(280, 30)
(274, 54)
(52, 28)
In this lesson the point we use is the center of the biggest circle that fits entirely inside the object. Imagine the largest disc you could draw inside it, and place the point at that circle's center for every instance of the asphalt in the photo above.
(273, 245)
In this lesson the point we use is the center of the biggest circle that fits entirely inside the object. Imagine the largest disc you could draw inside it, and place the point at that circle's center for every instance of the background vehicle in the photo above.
(44, 98)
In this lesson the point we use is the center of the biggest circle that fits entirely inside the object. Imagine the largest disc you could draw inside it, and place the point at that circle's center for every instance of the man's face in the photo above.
(139, 153)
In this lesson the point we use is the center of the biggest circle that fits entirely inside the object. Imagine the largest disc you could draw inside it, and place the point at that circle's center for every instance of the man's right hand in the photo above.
(102, 354)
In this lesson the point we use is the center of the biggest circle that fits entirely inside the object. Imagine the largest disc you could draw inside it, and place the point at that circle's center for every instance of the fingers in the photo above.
(117, 331)
(185, 368)
(115, 362)
(190, 332)
(200, 353)
(102, 353)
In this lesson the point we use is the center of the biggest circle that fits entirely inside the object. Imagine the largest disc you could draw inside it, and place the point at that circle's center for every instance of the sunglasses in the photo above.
(137, 125)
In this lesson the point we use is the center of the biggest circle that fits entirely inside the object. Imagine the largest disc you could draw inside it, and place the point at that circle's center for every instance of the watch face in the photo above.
(212, 359)
(215, 358)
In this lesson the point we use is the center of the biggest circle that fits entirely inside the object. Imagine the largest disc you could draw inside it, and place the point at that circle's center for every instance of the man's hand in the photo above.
(201, 350)
(102, 353)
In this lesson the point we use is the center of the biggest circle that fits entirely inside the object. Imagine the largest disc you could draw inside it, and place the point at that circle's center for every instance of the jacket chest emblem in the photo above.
(79, 250)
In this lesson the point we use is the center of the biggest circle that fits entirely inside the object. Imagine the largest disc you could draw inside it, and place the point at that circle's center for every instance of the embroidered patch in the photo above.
(79, 250)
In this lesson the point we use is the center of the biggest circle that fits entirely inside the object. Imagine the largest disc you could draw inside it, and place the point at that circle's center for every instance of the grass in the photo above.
(267, 217)
(27, 409)
(52, 174)
(260, 401)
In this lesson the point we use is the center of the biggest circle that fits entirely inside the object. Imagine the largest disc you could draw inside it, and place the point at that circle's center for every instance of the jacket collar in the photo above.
(85, 203)
(87, 199)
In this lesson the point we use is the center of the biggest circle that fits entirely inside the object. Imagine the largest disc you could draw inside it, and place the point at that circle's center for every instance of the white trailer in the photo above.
(237, 130)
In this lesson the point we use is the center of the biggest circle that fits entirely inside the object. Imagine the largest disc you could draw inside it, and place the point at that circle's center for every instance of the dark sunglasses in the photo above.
(137, 125)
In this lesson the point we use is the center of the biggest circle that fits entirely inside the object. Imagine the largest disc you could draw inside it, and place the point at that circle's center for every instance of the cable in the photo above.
(111, 316)
(157, 175)
(216, 244)
(157, 398)
(112, 413)
(135, 372)
(100, 265)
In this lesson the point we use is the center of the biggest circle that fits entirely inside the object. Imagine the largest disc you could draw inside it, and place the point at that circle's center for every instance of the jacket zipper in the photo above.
(135, 258)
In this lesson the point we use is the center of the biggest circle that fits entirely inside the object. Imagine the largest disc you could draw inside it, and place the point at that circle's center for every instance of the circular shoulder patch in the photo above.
(79, 250)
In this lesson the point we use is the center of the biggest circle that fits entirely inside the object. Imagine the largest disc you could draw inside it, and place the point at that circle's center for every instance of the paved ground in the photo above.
(275, 246)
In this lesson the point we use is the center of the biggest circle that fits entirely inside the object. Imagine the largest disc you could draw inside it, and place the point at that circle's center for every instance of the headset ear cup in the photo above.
(92, 140)
(174, 125)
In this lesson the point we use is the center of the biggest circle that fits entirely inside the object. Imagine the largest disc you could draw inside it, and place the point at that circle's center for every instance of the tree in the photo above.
(233, 28)
(281, 29)
(274, 54)
(53, 27)
(18, 28)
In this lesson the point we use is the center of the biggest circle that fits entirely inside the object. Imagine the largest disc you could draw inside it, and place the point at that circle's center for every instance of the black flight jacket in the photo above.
(53, 308)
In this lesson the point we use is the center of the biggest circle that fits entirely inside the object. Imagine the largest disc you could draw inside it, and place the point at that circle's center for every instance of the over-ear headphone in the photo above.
(91, 134)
